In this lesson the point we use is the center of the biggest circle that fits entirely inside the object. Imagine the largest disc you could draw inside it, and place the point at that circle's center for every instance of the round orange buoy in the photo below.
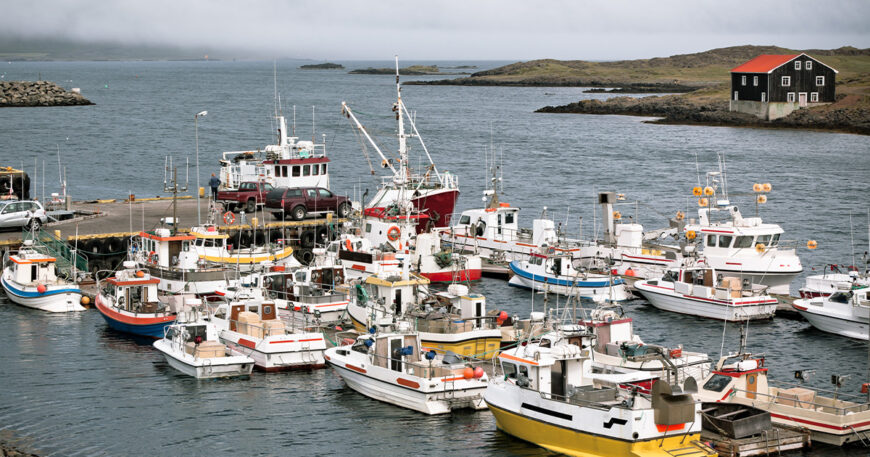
(140, 274)
(761, 199)
(757, 187)
(680, 215)
(629, 272)
(502, 316)
(702, 202)
(617, 215)
(708, 191)
(229, 218)
(760, 247)
(690, 235)
(468, 373)
(393, 233)
(697, 191)
(766, 187)
(41, 288)
(86, 300)
(812, 244)
(478, 373)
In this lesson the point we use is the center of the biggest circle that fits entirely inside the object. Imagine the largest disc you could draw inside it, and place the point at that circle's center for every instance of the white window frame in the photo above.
(790, 97)
(763, 97)
(755, 81)
(820, 78)
(743, 80)
(797, 64)
(786, 81)
(809, 65)
(814, 97)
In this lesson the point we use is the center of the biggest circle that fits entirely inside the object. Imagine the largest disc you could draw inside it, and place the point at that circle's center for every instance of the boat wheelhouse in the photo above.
(704, 291)
(30, 279)
(173, 260)
(130, 303)
(829, 282)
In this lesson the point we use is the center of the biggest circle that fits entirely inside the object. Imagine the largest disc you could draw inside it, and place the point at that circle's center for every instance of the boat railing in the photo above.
(602, 398)
(433, 369)
(842, 405)
(453, 324)
(426, 181)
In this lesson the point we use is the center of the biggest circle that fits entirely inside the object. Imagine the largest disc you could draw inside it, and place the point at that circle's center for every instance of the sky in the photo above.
(445, 30)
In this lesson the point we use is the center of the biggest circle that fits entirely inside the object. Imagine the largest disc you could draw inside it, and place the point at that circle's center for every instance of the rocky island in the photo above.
(413, 70)
(38, 93)
(322, 66)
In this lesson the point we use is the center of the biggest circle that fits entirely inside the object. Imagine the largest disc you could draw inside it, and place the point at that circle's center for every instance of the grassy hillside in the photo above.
(679, 73)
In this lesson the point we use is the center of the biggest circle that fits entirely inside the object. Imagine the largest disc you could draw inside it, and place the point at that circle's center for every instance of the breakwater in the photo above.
(38, 93)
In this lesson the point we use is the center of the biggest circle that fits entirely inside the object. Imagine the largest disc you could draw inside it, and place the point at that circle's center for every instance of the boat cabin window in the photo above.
(711, 241)
(764, 239)
(775, 240)
(199, 241)
(306, 170)
(315, 170)
(670, 276)
(840, 297)
(368, 228)
(185, 246)
(465, 219)
(510, 370)
(323, 168)
(725, 241)
(295, 171)
(717, 383)
(221, 313)
(300, 276)
(743, 242)
(536, 260)
(283, 171)
(499, 224)
(509, 218)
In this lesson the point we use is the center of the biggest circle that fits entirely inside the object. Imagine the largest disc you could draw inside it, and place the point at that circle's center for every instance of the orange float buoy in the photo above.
(697, 191)
(680, 215)
(708, 191)
(140, 274)
(629, 272)
(86, 300)
(812, 244)
(468, 373)
(617, 215)
(760, 247)
(702, 202)
(41, 288)
(478, 373)
(761, 199)
(757, 187)
(766, 187)
(393, 233)
(690, 235)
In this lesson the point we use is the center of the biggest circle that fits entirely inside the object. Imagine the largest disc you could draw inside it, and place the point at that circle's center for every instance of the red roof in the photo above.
(764, 63)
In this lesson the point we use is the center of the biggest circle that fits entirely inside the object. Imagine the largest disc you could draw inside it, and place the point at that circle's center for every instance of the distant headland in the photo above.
(322, 66)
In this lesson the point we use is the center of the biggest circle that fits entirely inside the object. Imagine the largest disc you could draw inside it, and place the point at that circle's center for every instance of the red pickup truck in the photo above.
(248, 196)
(297, 202)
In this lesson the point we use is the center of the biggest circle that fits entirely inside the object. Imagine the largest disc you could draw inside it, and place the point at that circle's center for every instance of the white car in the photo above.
(27, 213)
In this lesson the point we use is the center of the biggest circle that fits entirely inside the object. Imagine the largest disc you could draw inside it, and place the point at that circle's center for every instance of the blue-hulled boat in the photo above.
(554, 273)
(30, 279)
(129, 303)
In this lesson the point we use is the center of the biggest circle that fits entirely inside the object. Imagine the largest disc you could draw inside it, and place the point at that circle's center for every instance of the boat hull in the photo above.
(54, 300)
(709, 308)
(450, 276)
(295, 353)
(596, 290)
(438, 204)
(205, 368)
(837, 324)
(149, 325)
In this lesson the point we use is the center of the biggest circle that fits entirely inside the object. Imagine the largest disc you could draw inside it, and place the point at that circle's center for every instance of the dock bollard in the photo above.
(254, 222)
(201, 192)
(57, 234)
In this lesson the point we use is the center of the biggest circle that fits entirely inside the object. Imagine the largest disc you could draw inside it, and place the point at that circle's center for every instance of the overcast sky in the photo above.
(447, 29)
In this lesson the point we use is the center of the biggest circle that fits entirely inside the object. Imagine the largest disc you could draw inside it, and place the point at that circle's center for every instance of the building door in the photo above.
(802, 99)
(763, 97)
(735, 95)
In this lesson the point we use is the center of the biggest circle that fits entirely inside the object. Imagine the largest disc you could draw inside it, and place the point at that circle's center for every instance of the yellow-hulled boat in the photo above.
(547, 394)
(211, 246)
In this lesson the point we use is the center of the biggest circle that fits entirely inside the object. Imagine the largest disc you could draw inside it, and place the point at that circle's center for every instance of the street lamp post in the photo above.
(196, 137)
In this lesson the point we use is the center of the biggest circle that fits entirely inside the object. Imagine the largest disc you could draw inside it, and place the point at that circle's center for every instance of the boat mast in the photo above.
(403, 143)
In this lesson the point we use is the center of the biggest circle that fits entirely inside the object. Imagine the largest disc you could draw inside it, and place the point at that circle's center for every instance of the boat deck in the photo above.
(774, 441)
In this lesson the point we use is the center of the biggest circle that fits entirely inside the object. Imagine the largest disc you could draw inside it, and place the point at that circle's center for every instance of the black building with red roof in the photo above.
(773, 85)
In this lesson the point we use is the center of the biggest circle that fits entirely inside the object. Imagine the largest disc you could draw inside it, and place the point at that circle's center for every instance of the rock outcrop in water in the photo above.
(38, 93)
(10, 451)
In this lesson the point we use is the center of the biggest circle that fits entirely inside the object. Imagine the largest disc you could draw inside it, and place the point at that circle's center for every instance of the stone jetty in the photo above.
(38, 93)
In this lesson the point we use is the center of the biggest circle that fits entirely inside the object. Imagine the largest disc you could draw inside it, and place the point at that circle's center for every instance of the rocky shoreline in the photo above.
(7, 450)
(38, 93)
(544, 81)
(849, 114)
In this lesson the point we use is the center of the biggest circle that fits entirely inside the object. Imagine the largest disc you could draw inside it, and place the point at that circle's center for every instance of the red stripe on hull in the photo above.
(313, 366)
(447, 276)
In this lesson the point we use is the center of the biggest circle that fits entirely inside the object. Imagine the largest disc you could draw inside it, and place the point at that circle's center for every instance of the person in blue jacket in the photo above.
(214, 182)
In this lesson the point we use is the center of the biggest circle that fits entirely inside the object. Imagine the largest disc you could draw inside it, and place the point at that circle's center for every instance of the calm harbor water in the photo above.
(72, 387)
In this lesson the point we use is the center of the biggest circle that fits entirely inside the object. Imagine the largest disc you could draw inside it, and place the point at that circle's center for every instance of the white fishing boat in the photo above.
(618, 349)
(462, 326)
(432, 192)
(130, 302)
(829, 282)
(392, 367)
(251, 328)
(554, 273)
(743, 247)
(212, 248)
(845, 312)
(832, 417)
(546, 393)
(30, 279)
(193, 348)
(703, 291)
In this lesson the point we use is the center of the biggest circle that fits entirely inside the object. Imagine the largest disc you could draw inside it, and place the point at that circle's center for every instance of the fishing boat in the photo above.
(738, 246)
(703, 291)
(554, 273)
(618, 349)
(845, 312)
(432, 192)
(193, 348)
(464, 328)
(252, 328)
(829, 282)
(172, 259)
(391, 366)
(130, 302)
(832, 417)
(211, 246)
(546, 393)
(30, 279)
